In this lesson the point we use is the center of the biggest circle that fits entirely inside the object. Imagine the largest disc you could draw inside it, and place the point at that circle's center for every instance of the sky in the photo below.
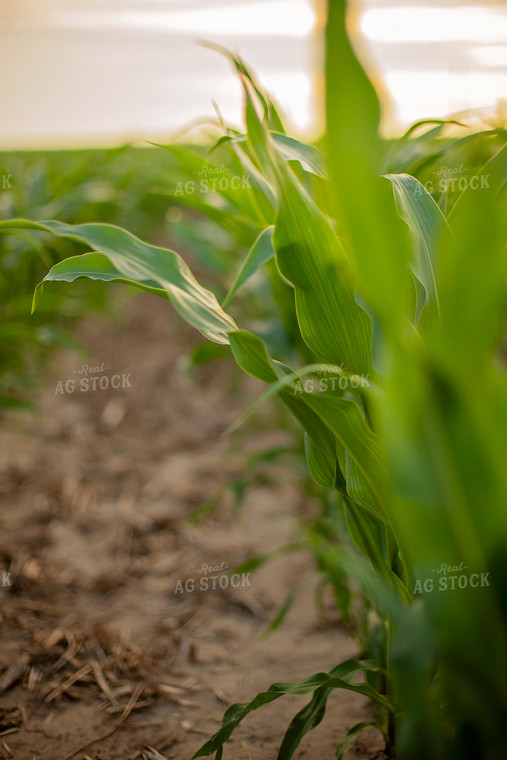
(88, 72)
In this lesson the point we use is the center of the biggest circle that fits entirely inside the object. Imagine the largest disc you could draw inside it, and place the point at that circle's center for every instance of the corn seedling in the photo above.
(393, 306)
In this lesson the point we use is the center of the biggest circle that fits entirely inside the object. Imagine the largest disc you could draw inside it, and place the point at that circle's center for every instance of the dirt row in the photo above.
(124, 630)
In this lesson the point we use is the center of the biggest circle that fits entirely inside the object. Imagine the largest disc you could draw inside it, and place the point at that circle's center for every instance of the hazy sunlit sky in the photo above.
(78, 72)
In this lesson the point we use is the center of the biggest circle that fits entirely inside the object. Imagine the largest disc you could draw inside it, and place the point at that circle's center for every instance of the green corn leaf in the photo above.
(318, 465)
(446, 148)
(261, 252)
(321, 445)
(252, 357)
(473, 298)
(231, 137)
(349, 741)
(288, 379)
(261, 194)
(342, 418)
(95, 266)
(310, 158)
(369, 535)
(243, 72)
(305, 720)
(425, 222)
(359, 490)
(287, 605)
(353, 108)
(254, 563)
(376, 237)
(415, 146)
(270, 111)
(334, 680)
(258, 135)
(424, 122)
(310, 256)
(141, 263)
(263, 197)
(275, 121)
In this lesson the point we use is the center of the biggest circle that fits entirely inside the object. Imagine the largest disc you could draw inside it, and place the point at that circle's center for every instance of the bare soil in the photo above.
(99, 656)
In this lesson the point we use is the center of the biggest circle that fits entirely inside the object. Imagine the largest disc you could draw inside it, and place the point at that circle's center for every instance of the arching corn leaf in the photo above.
(95, 266)
(349, 741)
(141, 263)
(333, 680)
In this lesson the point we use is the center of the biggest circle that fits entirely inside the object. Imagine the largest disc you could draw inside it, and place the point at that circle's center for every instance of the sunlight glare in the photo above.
(424, 24)
(285, 18)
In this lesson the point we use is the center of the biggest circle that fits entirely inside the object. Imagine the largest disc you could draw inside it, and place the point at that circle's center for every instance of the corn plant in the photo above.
(394, 311)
